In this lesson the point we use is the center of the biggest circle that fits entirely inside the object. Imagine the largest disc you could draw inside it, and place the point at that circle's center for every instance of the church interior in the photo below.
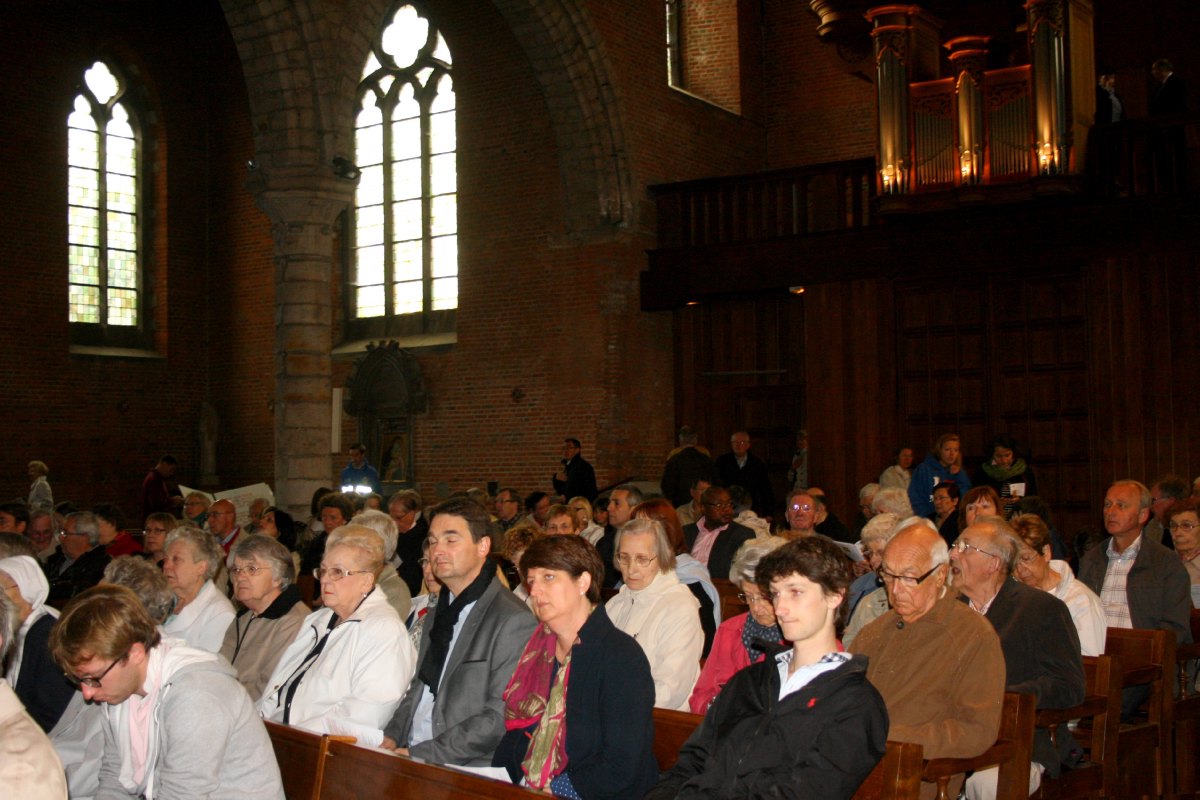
(876, 223)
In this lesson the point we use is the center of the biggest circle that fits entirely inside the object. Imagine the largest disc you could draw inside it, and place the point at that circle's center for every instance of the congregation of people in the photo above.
(532, 635)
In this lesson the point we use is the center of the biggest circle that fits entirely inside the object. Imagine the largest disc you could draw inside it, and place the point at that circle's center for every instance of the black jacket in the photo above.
(41, 686)
(580, 482)
(820, 742)
(754, 478)
(84, 573)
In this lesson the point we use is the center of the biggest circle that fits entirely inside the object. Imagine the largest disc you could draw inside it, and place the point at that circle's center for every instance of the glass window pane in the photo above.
(368, 301)
(369, 230)
(444, 254)
(121, 155)
(441, 51)
(370, 187)
(122, 231)
(407, 260)
(406, 139)
(122, 307)
(406, 220)
(83, 226)
(83, 149)
(444, 215)
(84, 304)
(445, 294)
(407, 106)
(122, 193)
(84, 264)
(101, 81)
(122, 269)
(443, 177)
(407, 298)
(368, 268)
(81, 117)
(83, 187)
(405, 37)
(368, 145)
(369, 112)
(119, 125)
(442, 137)
(444, 100)
(406, 179)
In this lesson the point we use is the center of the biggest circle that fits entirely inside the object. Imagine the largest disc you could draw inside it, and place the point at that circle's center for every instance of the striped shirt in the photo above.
(1113, 595)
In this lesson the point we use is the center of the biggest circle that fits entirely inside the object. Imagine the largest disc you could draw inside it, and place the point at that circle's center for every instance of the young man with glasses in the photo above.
(177, 724)
(937, 663)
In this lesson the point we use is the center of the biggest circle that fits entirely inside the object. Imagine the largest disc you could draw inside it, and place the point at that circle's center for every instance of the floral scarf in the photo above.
(537, 694)
(754, 636)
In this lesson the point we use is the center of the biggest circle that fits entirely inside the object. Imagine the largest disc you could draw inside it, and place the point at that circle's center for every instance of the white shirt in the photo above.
(1087, 612)
(804, 674)
(202, 623)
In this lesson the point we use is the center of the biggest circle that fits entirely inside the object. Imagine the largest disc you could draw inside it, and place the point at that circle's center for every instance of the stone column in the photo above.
(302, 209)
(968, 54)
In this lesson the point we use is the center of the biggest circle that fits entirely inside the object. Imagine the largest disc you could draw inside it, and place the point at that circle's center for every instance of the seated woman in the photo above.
(1004, 471)
(202, 614)
(1184, 526)
(807, 719)
(691, 573)
(657, 610)
(158, 526)
(1035, 567)
(424, 602)
(351, 661)
(579, 708)
(146, 581)
(263, 582)
(945, 510)
(32, 674)
(979, 501)
(588, 528)
(195, 508)
(740, 640)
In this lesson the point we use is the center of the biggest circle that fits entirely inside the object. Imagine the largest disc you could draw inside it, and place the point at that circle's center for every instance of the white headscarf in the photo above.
(34, 587)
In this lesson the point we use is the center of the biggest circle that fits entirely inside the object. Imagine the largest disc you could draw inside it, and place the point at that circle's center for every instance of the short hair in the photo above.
(1182, 506)
(581, 499)
(972, 496)
(892, 501)
(409, 498)
(1033, 504)
(533, 499)
(203, 545)
(740, 498)
(1004, 539)
(940, 552)
(519, 537)
(816, 558)
(702, 479)
(601, 504)
(710, 494)
(660, 509)
(573, 555)
(745, 562)
(38, 513)
(16, 544)
(900, 450)
(146, 581)
(315, 503)
(382, 524)
(18, 511)
(357, 446)
(643, 525)
(475, 515)
(633, 495)
(563, 510)
(339, 501)
(794, 493)
(880, 528)
(360, 538)
(201, 496)
(264, 548)
(168, 520)
(479, 495)
(1032, 530)
(110, 513)
(85, 522)
(870, 490)
(1001, 440)
(951, 489)
(168, 459)
(1173, 486)
(39, 467)
(103, 622)
(8, 625)
(1144, 499)
(1163, 65)
(510, 493)
(573, 442)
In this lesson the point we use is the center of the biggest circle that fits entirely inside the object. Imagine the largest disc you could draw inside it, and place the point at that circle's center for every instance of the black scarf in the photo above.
(444, 620)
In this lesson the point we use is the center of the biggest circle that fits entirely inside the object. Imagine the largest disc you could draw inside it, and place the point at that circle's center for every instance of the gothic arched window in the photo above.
(403, 275)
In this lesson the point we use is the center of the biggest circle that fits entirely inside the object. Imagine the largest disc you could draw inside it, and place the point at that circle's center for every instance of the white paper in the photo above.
(851, 550)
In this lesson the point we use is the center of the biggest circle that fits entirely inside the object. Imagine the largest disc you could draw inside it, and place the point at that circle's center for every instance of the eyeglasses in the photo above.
(905, 580)
(94, 682)
(801, 507)
(753, 599)
(251, 570)
(963, 546)
(336, 573)
(1183, 526)
(1025, 559)
(624, 559)
(726, 504)
(65, 534)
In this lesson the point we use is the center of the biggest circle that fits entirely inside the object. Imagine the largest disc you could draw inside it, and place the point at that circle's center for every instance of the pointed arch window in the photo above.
(403, 275)
(104, 241)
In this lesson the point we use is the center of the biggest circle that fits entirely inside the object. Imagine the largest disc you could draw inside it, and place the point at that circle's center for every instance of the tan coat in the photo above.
(253, 643)
(29, 767)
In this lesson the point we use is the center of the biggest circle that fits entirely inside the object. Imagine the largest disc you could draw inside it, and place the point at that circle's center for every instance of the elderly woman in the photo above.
(878, 533)
(41, 496)
(146, 581)
(31, 672)
(1037, 568)
(1184, 527)
(874, 538)
(944, 463)
(263, 582)
(154, 546)
(740, 640)
(202, 613)
(691, 573)
(195, 507)
(898, 475)
(980, 501)
(657, 610)
(351, 661)
(588, 528)
(389, 581)
(578, 710)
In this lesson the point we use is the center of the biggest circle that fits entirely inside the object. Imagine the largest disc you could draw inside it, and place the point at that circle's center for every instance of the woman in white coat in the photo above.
(201, 614)
(349, 665)
(657, 610)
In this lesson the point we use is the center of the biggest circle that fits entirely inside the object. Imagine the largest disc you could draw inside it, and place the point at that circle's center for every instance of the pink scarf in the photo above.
(534, 697)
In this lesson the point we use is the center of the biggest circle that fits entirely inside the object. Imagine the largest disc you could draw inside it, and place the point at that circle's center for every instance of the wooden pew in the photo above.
(309, 589)
(671, 730)
(1187, 715)
(360, 772)
(1100, 717)
(301, 757)
(896, 777)
(1012, 751)
(1144, 747)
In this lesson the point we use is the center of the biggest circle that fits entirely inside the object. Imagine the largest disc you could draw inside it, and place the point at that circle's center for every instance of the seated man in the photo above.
(453, 711)
(80, 561)
(1041, 646)
(715, 538)
(178, 722)
(806, 718)
(937, 664)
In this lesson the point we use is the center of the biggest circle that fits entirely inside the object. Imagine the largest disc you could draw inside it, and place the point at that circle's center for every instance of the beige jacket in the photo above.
(253, 643)
(29, 767)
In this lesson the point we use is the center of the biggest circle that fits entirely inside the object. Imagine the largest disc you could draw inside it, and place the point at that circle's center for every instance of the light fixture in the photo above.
(344, 168)
(797, 290)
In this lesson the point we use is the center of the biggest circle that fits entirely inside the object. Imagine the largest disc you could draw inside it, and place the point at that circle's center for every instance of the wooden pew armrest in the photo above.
(1053, 717)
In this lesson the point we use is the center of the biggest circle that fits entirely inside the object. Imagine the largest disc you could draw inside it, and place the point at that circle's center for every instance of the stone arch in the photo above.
(301, 60)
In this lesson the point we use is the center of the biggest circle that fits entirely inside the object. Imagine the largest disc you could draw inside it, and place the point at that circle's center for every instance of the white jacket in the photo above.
(357, 681)
(664, 618)
(1086, 610)
(202, 623)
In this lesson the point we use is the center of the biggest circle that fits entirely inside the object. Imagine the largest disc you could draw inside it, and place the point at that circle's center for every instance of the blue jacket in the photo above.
(928, 475)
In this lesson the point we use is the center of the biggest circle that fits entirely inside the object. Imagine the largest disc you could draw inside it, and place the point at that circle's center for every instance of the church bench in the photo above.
(1100, 718)
(671, 730)
(1187, 714)
(301, 757)
(731, 604)
(1144, 747)
(1012, 752)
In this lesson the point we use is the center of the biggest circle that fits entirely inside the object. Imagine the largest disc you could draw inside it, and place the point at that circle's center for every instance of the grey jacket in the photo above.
(1157, 588)
(468, 714)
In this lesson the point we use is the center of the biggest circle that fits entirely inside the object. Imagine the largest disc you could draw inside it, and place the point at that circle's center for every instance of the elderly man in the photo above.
(742, 468)
(508, 509)
(404, 507)
(41, 532)
(1042, 656)
(620, 508)
(576, 477)
(453, 711)
(937, 664)
(80, 561)
(715, 538)
(800, 511)
(222, 524)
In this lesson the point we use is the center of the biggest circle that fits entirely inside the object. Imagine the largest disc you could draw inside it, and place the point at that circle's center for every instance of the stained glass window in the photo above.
(103, 253)
(405, 229)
